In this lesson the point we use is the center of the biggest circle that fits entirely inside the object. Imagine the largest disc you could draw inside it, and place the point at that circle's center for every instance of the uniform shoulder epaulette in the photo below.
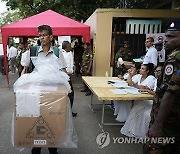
(177, 55)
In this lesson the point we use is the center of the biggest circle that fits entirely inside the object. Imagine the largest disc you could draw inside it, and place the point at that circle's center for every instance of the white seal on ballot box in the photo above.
(40, 142)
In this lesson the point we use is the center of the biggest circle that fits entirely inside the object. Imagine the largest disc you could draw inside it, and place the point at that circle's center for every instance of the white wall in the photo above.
(1, 49)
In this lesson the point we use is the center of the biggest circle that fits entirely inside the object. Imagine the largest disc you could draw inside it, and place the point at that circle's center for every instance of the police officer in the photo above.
(165, 115)
(87, 60)
(161, 53)
(120, 68)
(127, 53)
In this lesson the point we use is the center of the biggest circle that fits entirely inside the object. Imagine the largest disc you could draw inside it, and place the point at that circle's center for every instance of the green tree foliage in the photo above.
(9, 17)
(76, 9)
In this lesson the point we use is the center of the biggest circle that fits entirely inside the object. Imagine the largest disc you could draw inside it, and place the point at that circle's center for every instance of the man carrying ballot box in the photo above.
(44, 51)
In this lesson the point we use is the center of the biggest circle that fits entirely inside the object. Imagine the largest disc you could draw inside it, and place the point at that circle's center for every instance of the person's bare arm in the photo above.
(129, 80)
(132, 84)
(147, 90)
(25, 70)
(141, 87)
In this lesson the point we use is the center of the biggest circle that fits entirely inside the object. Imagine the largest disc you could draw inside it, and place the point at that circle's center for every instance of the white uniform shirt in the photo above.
(149, 81)
(12, 52)
(68, 56)
(25, 60)
(161, 55)
(151, 56)
(125, 76)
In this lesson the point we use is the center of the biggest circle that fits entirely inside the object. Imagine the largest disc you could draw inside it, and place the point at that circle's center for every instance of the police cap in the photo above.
(173, 25)
(159, 43)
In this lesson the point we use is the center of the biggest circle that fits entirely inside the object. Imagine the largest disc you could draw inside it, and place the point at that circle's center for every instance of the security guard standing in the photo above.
(86, 66)
(165, 115)
(120, 68)
(127, 53)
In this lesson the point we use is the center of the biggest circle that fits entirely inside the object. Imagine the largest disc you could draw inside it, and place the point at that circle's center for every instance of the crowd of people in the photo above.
(158, 74)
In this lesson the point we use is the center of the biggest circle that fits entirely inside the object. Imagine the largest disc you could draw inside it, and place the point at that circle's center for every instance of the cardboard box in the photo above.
(48, 129)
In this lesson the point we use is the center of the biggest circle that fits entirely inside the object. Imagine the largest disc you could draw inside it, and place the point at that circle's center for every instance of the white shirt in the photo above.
(149, 81)
(19, 51)
(125, 76)
(151, 56)
(161, 55)
(25, 60)
(68, 56)
(12, 52)
(155, 85)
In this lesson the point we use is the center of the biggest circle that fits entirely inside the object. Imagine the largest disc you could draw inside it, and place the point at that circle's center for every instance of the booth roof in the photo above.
(60, 24)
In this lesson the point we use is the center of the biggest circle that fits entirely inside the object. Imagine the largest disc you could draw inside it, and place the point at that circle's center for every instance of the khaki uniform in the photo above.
(169, 81)
(86, 58)
(126, 55)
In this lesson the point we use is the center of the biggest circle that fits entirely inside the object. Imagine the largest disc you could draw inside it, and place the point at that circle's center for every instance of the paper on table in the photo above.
(27, 104)
(132, 90)
(120, 85)
(118, 91)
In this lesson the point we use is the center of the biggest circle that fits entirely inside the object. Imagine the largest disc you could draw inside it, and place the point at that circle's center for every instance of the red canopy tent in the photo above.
(61, 25)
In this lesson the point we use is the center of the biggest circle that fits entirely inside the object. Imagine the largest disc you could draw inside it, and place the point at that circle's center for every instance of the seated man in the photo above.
(45, 51)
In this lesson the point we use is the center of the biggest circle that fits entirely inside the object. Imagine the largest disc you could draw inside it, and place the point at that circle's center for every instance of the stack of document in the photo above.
(125, 91)
(118, 91)
(132, 90)
(122, 87)
(119, 83)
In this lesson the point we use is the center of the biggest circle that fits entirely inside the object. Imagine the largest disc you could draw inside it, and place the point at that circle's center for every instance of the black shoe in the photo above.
(74, 114)
(84, 90)
(88, 93)
(52, 150)
(36, 151)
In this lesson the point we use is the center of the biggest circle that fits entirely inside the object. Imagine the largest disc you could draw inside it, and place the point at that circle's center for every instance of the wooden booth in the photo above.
(110, 27)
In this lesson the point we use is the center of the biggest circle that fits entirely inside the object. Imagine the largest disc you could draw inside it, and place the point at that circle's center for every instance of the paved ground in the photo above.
(86, 124)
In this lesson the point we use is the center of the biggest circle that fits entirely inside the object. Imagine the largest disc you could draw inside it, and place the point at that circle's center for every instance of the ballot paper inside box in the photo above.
(41, 122)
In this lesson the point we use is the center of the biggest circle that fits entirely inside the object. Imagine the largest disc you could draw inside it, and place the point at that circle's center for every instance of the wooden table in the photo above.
(100, 88)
